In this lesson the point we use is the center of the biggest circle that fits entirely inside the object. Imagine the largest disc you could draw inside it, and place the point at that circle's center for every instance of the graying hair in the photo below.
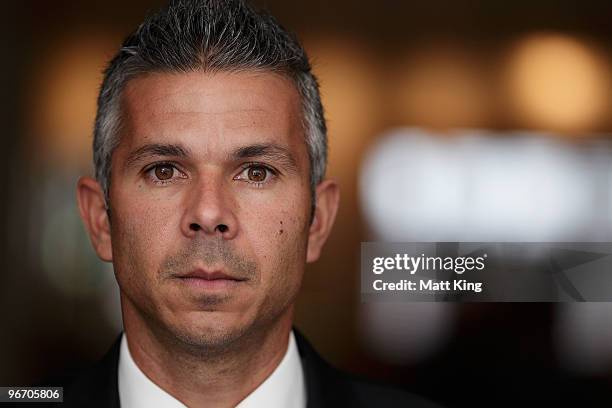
(208, 36)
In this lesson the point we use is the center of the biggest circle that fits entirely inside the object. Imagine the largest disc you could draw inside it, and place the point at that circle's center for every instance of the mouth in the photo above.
(209, 280)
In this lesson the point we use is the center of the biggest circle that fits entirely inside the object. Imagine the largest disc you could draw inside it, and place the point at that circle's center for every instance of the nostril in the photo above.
(222, 228)
(194, 227)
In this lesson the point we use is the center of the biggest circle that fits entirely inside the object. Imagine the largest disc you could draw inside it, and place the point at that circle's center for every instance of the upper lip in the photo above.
(208, 275)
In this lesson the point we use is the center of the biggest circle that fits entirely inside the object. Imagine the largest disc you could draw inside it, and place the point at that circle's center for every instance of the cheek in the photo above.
(273, 228)
(140, 238)
(286, 267)
(279, 242)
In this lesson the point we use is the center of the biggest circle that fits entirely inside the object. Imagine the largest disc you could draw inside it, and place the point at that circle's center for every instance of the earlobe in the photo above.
(92, 207)
(328, 199)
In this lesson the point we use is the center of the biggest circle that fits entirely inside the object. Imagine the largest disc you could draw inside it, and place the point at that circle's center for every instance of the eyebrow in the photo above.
(267, 151)
(152, 150)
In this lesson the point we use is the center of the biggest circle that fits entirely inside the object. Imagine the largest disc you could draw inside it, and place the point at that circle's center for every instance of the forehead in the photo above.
(217, 109)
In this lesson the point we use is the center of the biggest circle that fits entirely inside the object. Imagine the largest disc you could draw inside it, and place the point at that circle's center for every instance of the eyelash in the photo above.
(272, 173)
(153, 179)
(258, 184)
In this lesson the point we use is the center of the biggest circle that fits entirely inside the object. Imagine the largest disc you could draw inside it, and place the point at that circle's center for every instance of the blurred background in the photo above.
(448, 121)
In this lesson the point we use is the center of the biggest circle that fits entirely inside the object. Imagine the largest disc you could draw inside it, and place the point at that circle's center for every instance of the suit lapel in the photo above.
(324, 387)
(98, 387)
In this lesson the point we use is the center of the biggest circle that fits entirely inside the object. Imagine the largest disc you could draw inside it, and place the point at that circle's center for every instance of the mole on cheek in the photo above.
(281, 230)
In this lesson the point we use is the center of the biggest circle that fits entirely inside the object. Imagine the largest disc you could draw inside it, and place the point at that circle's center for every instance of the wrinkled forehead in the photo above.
(213, 110)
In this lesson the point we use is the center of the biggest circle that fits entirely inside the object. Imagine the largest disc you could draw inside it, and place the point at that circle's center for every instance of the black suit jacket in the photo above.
(325, 385)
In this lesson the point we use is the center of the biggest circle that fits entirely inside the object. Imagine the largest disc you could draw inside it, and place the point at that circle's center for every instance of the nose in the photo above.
(210, 210)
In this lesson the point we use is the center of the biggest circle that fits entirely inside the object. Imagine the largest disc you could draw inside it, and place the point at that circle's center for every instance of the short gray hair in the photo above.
(209, 36)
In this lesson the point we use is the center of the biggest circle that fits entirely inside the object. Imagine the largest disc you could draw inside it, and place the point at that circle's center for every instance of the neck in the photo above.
(213, 379)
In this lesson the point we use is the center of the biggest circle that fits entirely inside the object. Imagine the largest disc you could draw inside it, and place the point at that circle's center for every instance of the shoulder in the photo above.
(330, 387)
(367, 393)
(93, 387)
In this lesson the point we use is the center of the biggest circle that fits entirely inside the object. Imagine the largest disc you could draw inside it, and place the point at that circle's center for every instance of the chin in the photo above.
(210, 330)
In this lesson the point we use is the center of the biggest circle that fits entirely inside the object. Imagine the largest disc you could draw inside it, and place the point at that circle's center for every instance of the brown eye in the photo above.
(257, 174)
(164, 172)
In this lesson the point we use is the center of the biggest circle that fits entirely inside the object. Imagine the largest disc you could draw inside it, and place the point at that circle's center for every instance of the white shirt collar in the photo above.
(285, 387)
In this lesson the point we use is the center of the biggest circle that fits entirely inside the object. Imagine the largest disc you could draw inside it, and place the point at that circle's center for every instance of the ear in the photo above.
(90, 197)
(327, 201)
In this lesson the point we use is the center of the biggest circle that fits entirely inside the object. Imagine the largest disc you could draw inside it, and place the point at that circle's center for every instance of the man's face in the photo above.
(210, 202)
